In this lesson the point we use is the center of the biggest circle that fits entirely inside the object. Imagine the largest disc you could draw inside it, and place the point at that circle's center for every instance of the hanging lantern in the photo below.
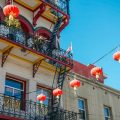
(57, 92)
(41, 98)
(11, 12)
(96, 72)
(75, 84)
(116, 56)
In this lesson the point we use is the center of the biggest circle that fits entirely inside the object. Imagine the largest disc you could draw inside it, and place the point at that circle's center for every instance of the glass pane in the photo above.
(18, 94)
(81, 114)
(8, 91)
(45, 92)
(14, 84)
(81, 104)
(107, 112)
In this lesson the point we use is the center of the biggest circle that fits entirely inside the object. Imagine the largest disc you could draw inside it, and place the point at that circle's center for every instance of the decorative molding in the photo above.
(36, 66)
(36, 17)
(28, 27)
(5, 55)
(43, 31)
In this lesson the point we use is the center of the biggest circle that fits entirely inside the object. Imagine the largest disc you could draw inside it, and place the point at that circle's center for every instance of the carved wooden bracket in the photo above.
(38, 14)
(5, 55)
(36, 66)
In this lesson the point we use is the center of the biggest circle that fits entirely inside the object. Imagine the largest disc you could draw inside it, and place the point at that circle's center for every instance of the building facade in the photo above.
(94, 100)
(32, 63)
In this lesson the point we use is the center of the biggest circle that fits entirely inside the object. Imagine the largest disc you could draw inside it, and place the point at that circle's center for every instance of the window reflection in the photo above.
(47, 93)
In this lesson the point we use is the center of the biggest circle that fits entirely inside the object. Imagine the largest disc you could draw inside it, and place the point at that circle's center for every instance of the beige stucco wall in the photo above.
(96, 94)
(23, 70)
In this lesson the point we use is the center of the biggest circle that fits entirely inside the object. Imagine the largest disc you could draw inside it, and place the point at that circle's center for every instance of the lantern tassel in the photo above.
(75, 90)
(119, 60)
(11, 17)
(97, 76)
(41, 104)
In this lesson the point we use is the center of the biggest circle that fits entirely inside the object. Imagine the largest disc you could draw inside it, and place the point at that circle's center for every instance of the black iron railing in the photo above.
(36, 43)
(62, 5)
(29, 110)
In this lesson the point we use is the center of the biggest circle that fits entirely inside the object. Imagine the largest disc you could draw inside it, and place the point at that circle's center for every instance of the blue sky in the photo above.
(94, 30)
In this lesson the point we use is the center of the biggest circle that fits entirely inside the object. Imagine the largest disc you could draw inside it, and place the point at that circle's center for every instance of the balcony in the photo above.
(62, 5)
(36, 45)
(28, 110)
(50, 10)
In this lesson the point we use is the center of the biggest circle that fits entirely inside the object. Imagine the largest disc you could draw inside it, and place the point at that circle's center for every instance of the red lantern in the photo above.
(96, 72)
(75, 84)
(41, 98)
(116, 56)
(57, 92)
(11, 11)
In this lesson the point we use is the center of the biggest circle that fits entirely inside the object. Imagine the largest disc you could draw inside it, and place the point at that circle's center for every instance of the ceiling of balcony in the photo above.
(30, 4)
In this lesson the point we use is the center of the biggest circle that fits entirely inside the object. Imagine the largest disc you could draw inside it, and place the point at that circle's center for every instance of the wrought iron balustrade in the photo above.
(62, 5)
(18, 108)
(36, 43)
(28, 110)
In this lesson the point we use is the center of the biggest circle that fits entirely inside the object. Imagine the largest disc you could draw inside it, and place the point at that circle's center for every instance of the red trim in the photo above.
(64, 24)
(1, 15)
(42, 8)
(34, 51)
(26, 25)
(9, 118)
(43, 32)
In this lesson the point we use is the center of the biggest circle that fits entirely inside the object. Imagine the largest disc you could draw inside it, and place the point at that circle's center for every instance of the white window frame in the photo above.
(13, 88)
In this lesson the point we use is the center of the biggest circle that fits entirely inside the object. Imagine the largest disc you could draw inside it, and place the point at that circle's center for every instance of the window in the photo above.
(82, 109)
(45, 92)
(107, 113)
(14, 88)
(14, 94)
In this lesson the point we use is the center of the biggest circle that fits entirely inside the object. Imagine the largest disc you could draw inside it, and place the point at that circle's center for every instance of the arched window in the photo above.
(43, 33)
(23, 34)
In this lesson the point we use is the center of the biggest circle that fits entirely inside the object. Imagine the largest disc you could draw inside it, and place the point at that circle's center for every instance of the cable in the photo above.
(105, 55)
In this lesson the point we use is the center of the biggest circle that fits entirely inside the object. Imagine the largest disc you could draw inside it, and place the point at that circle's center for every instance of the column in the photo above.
(32, 87)
(2, 80)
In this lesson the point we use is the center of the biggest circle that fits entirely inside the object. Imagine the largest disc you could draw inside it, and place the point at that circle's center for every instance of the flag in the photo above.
(69, 48)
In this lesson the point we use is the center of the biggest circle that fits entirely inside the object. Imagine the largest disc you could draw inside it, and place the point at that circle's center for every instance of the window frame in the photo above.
(47, 89)
(110, 112)
(17, 80)
(85, 110)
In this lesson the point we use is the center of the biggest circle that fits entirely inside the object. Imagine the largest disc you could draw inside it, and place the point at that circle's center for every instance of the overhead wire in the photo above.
(106, 54)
